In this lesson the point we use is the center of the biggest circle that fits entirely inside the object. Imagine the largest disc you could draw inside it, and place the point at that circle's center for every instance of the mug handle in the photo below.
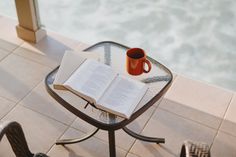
(149, 66)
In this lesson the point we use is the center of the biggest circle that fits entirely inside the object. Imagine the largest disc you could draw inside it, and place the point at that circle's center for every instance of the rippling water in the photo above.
(194, 38)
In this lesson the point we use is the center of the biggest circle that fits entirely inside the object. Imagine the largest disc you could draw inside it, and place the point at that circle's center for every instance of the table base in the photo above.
(143, 138)
(111, 137)
(72, 141)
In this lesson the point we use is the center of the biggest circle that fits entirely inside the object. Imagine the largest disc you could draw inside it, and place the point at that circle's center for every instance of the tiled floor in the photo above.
(190, 109)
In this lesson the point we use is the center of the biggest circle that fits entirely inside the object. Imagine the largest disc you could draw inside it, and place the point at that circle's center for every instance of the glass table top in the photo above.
(113, 54)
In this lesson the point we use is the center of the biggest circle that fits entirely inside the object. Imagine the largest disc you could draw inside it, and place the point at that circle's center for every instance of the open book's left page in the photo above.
(91, 80)
(70, 62)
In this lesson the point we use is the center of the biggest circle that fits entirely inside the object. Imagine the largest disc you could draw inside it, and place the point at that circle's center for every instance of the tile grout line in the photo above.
(44, 115)
(13, 101)
(9, 111)
(29, 59)
(132, 154)
(11, 52)
(35, 61)
(68, 126)
(7, 54)
(227, 133)
(167, 110)
(222, 121)
(98, 138)
(38, 111)
(187, 118)
(18, 47)
(18, 102)
(81, 130)
(107, 142)
(50, 67)
(154, 110)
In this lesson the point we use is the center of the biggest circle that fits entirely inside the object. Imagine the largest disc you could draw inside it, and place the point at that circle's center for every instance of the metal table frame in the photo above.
(111, 128)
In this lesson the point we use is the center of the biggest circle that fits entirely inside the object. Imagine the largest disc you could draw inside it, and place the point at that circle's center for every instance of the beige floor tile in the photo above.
(8, 31)
(224, 146)
(40, 101)
(229, 122)
(6, 45)
(50, 61)
(47, 51)
(123, 140)
(19, 76)
(3, 53)
(5, 106)
(41, 132)
(153, 90)
(68, 42)
(83, 126)
(191, 113)
(175, 130)
(92, 147)
(86, 127)
(5, 148)
(196, 96)
(131, 155)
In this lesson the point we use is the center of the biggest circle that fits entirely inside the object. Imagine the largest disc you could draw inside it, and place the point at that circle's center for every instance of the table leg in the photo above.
(112, 146)
(143, 138)
(71, 141)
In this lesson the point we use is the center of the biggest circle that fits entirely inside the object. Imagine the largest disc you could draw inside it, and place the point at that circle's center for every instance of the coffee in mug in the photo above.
(136, 60)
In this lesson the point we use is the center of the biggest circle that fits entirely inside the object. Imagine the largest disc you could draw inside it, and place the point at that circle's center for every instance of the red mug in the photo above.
(136, 60)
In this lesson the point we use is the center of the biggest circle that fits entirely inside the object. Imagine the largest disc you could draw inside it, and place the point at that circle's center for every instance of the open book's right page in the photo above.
(122, 96)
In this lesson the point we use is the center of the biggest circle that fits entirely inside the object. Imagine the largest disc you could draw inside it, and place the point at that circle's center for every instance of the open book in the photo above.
(99, 84)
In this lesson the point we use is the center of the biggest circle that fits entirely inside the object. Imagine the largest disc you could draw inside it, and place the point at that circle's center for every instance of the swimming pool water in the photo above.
(193, 38)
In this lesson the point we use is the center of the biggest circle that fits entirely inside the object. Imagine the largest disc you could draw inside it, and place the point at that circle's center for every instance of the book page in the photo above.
(91, 79)
(70, 62)
(123, 96)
